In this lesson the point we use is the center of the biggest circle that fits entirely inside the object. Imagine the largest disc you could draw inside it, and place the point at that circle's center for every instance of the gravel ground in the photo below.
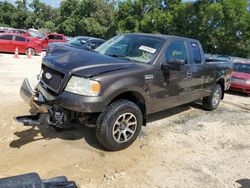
(181, 147)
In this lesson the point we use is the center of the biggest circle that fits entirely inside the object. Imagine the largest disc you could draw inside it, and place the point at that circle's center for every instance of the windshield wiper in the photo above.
(119, 56)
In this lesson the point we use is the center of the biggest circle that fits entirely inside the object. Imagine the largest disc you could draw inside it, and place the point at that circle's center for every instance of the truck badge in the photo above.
(48, 76)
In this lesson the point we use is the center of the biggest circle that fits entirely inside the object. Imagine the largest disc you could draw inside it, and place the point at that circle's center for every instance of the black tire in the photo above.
(212, 102)
(32, 51)
(107, 125)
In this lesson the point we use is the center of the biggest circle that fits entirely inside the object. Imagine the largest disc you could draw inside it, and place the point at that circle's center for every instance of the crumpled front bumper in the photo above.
(66, 100)
(26, 91)
(28, 95)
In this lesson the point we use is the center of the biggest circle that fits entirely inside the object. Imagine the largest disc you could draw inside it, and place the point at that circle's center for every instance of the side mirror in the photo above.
(173, 64)
(176, 61)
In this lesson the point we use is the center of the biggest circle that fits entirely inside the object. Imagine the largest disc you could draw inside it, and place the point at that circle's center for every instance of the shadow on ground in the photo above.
(48, 133)
(36, 133)
(245, 183)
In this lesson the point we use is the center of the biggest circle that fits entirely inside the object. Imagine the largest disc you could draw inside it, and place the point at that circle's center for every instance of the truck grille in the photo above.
(52, 78)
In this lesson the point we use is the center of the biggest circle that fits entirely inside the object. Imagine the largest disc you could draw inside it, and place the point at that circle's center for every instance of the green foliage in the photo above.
(4, 25)
(49, 26)
(68, 26)
(222, 26)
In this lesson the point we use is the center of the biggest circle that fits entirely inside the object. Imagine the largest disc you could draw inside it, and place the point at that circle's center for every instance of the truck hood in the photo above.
(241, 75)
(82, 62)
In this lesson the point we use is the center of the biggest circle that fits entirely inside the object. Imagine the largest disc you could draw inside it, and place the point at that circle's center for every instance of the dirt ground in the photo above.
(181, 147)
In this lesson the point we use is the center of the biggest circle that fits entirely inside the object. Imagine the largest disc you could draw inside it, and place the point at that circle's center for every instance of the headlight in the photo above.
(247, 82)
(83, 86)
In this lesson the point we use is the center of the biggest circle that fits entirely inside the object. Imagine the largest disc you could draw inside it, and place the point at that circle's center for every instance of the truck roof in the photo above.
(165, 37)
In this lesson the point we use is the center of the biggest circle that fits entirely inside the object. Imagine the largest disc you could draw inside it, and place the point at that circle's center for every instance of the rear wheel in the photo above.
(119, 125)
(32, 51)
(212, 102)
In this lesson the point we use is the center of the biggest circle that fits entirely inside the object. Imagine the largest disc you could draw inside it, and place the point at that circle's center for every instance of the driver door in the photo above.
(171, 83)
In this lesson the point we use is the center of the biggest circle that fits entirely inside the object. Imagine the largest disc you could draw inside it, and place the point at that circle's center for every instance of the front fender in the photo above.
(128, 84)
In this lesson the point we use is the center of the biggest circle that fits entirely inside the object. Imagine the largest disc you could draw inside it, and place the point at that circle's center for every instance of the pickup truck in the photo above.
(115, 87)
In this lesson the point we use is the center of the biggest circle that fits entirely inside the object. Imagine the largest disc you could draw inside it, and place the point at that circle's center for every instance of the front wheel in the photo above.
(119, 125)
(212, 102)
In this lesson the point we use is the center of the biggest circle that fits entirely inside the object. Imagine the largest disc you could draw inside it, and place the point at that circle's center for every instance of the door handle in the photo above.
(189, 74)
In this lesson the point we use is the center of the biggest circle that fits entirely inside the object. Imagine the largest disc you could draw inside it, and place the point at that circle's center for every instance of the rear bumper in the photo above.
(240, 87)
(65, 100)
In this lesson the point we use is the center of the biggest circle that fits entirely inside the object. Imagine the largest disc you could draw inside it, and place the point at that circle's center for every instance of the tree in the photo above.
(7, 10)
(222, 26)
(88, 17)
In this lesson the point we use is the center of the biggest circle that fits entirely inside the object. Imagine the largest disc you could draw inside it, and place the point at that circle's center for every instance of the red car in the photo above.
(241, 77)
(14, 31)
(54, 37)
(42, 41)
(10, 41)
(50, 38)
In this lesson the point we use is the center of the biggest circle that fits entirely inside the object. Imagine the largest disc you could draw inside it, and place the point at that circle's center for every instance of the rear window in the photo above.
(196, 53)
(58, 37)
(6, 37)
(51, 36)
(241, 67)
(21, 39)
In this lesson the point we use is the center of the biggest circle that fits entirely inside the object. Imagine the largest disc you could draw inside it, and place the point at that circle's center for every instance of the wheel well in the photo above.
(135, 97)
(222, 84)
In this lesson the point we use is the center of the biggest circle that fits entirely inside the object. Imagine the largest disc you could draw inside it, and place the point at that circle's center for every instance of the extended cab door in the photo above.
(171, 83)
(197, 70)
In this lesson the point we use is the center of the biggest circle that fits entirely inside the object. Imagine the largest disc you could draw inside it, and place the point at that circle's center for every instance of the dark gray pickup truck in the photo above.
(115, 87)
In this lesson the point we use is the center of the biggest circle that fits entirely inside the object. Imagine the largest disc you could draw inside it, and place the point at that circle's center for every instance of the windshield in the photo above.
(36, 34)
(78, 41)
(241, 67)
(138, 48)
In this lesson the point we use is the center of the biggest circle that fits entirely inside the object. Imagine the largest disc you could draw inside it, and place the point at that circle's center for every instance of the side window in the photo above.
(20, 39)
(6, 37)
(100, 42)
(196, 53)
(176, 50)
(57, 37)
(51, 37)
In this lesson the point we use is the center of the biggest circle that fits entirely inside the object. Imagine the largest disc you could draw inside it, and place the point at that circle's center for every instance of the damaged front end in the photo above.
(42, 112)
